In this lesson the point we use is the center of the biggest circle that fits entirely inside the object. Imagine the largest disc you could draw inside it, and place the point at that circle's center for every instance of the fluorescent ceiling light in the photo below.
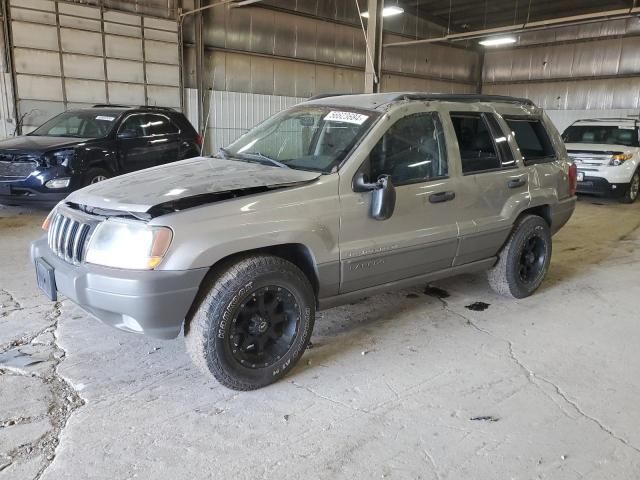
(492, 42)
(387, 11)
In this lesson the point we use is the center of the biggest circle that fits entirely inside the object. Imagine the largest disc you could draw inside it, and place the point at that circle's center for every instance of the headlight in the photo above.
(58, 183)
(619, 159)
(61, 157)
(134, 246)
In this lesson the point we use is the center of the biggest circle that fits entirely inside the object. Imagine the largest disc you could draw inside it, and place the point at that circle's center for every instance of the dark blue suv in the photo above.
(80, 147)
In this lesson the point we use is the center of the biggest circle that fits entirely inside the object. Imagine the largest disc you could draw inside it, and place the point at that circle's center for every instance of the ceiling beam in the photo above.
(522, 27)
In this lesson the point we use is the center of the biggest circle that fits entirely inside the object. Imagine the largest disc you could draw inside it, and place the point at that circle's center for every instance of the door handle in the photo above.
(517, 183)
(442, 197)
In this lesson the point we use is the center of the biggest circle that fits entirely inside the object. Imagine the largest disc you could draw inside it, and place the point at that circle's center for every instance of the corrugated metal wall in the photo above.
(234, 113)
(273, 52)
(67, 55)
(156, 8)
(593, 66)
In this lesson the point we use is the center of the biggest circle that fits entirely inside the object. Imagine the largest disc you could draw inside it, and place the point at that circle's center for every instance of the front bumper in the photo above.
(601, 186)
(31, 190)
(153, 303)
(32, 198)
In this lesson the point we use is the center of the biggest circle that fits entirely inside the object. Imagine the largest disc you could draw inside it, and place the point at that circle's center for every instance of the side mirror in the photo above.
(384, 199)
(361, 184)
(128, 133)
(383, 202)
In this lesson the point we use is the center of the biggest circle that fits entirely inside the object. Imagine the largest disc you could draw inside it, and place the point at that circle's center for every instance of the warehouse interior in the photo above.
(447, 380)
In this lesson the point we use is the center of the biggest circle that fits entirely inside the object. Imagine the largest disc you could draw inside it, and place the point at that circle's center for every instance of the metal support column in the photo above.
(480, 73)
(9, 61)
(200, 84)
(374, 47)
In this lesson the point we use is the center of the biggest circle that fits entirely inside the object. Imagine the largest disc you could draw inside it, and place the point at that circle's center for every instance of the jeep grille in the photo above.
(67, 238)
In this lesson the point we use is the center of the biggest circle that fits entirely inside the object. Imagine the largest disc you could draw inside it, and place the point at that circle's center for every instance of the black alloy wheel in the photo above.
(264, 327)
(252, 321)
(532, 259)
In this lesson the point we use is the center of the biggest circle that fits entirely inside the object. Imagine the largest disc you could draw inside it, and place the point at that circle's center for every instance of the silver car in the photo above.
(328, 202)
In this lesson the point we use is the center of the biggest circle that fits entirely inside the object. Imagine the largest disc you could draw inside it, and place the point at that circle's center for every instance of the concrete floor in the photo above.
(404, 385)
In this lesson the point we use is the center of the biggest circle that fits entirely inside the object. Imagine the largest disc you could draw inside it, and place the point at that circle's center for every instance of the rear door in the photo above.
(421, 235)
(164, 139)
(494, 185)
(541, 161)
(133, 144)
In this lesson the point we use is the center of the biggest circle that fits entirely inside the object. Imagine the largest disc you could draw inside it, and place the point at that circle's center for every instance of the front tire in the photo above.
(633, 191)
(95, 175)
(524, 260)
(252, 322)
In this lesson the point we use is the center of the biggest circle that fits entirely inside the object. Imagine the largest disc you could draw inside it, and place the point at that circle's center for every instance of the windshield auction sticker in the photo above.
(346, 117)
(106, 119)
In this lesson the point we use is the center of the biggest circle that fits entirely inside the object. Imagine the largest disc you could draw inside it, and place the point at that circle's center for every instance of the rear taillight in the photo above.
(573, 179)
(199, 140)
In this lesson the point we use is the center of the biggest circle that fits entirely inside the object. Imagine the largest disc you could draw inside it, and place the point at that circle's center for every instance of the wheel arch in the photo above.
(298, 254)
(543, 211)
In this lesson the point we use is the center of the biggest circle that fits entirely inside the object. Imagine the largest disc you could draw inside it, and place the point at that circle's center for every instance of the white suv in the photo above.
(607, 154)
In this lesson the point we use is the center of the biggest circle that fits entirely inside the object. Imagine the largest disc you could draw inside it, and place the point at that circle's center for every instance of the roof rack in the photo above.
(463, 97)
(108, 105)
(608, 119)
(327, 95)
(144, 107)
(153, 107)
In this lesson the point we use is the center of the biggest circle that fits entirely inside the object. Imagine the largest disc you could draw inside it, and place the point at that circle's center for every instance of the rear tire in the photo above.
(95, 175)
(252, 322)
(633, 191)
(524, 260)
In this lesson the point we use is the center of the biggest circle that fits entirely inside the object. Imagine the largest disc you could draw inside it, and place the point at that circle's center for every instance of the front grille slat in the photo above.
(17, 166)
(78, 244)
(56, 231)
(61, 236)
(67, 238)
(68, 243)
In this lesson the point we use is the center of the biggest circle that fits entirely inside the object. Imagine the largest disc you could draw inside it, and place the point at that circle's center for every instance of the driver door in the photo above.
(421, 236)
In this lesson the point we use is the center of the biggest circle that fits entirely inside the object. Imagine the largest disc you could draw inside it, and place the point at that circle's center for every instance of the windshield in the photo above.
(602, 134)
(80, 124)
(315, 138)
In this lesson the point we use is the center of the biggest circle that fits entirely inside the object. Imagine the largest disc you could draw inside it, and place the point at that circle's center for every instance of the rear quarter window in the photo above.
(532, 140)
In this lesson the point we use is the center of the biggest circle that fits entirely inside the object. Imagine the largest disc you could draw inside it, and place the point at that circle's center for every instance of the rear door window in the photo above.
(477, 148)
(136, 126)
(532, 140)
(160, 125)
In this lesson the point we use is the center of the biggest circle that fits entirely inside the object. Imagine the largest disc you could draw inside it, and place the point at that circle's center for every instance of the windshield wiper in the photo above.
(251, 157)
(262, 158)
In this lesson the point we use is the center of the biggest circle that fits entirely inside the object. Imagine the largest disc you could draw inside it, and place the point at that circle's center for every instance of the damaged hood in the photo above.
(189, 183)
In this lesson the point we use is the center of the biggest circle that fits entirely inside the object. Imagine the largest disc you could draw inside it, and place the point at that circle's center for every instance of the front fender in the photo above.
(306, 215)
(96, 155)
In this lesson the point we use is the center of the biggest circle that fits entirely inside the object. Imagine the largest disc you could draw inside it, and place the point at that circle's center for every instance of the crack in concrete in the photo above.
(65, 401)
(29, 337)
(329, 399)
(582, 413)
(532, 377)
(8, 303)
(431, 461)
(10, 422)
